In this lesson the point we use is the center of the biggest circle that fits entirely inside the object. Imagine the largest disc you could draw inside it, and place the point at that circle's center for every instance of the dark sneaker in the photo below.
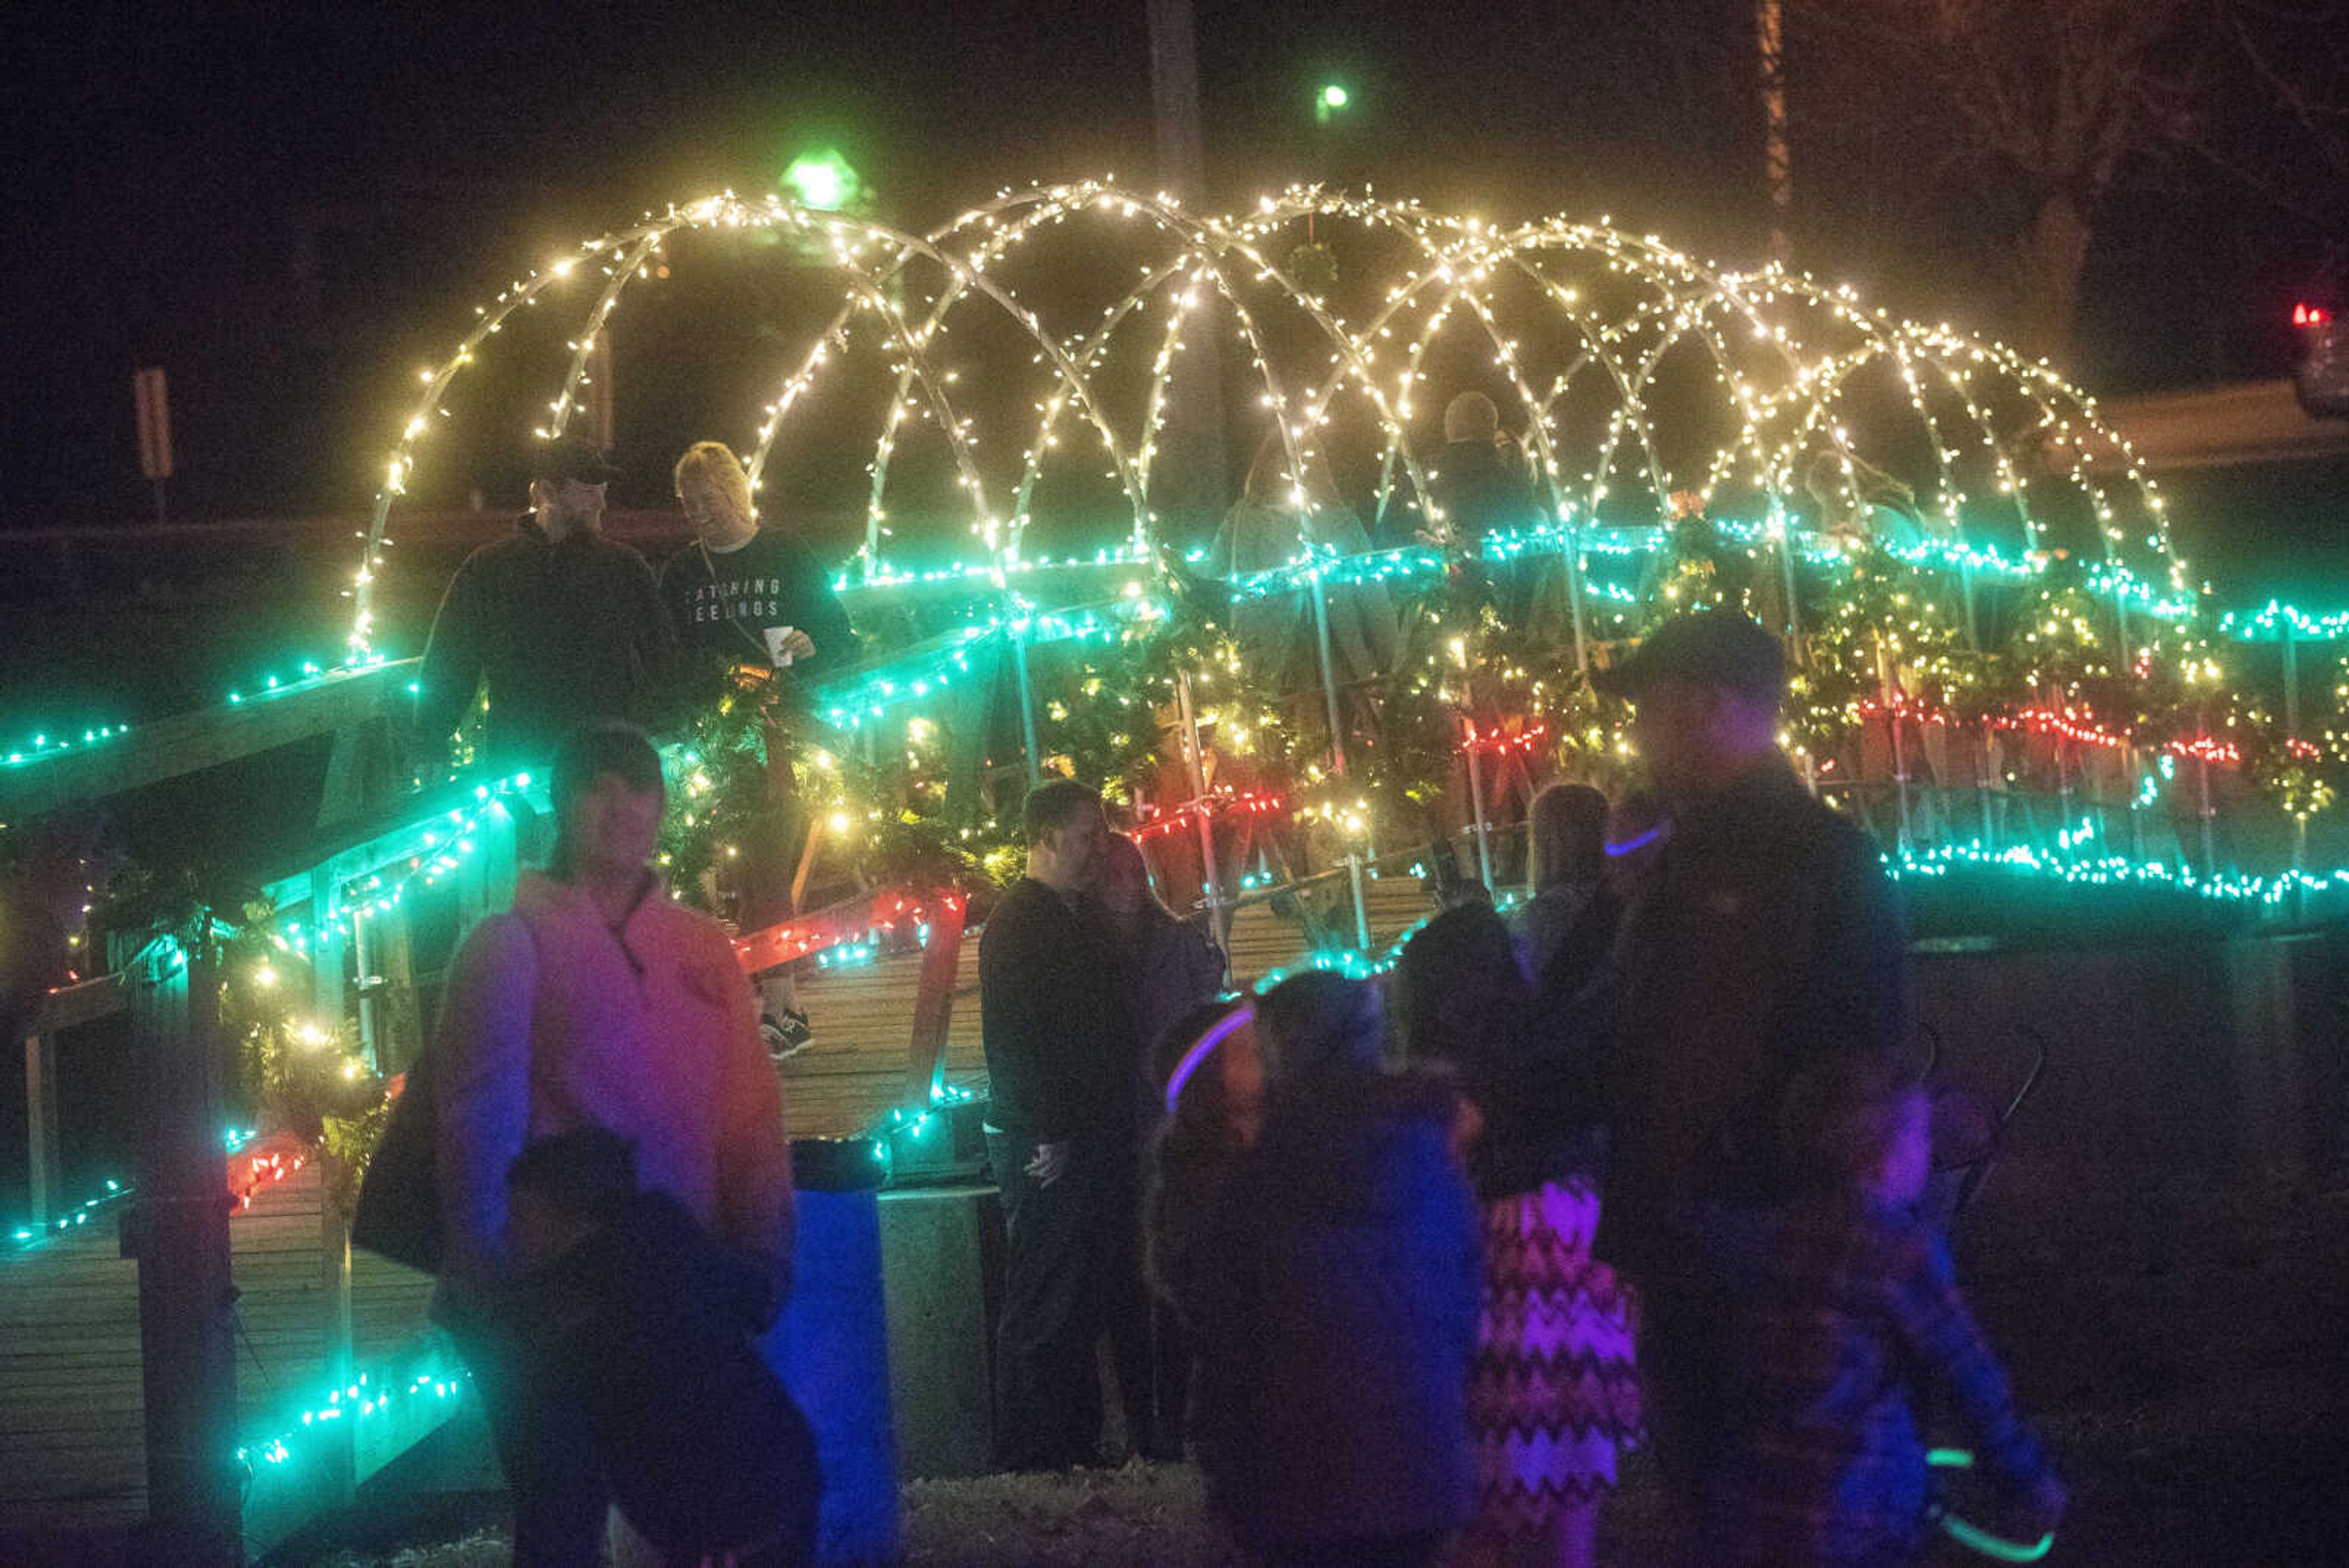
(787, 1035)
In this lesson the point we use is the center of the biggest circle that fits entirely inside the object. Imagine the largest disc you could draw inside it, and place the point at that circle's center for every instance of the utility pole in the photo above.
(1777, 162)
(1195, 447)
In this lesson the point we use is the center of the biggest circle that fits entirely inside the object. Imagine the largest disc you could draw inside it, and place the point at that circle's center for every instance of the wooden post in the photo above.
(926, 1057)
(1476, 799)
(329, 943)
(1778, 161)
(187, 1357)
(42, 1155)
(1211, 882)
(338, 1451)
(399, 1024)
(502, 851)
(1192, 481)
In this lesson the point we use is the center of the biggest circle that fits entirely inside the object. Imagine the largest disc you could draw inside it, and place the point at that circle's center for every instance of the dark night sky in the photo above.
(278, 203)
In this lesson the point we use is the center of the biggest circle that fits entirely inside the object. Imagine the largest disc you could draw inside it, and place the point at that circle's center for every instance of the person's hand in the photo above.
(797, 644)
(1050, 1164)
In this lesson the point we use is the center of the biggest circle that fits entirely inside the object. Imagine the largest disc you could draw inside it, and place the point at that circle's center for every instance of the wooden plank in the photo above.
(71, 1400)
(190, 742)
(71, 1006)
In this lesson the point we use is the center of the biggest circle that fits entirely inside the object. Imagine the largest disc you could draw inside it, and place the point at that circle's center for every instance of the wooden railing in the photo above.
(176, 1222)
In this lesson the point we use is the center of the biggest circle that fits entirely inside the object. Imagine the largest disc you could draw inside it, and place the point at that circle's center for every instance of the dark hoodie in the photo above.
(564, 633)
(1329, 1281)
(1481, 492)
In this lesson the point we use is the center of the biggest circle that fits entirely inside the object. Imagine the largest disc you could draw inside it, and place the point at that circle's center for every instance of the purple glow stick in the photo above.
(1216, 1036)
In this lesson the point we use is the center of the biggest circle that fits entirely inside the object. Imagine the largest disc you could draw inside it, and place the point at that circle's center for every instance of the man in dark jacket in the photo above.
(1769, 943)
(1478, 488)
(1057, 1107)
(565, 625)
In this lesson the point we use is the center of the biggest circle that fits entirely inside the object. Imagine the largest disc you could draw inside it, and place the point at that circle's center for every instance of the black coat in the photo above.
(1048, 979)
(1480, 492)
(1329, 1279)
(564, 632)
(1771, 940)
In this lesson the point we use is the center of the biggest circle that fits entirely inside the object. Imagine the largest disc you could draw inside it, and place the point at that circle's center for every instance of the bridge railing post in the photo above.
(186, 1302)
(42, 1157)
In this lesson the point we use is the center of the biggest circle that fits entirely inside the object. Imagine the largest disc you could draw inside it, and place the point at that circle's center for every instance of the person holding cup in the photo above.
(745, 597)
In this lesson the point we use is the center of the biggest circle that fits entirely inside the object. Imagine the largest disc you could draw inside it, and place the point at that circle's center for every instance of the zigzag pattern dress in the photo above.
(1553, 1394)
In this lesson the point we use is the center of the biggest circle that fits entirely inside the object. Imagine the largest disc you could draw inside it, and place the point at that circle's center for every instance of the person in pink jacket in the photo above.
(598, 1001)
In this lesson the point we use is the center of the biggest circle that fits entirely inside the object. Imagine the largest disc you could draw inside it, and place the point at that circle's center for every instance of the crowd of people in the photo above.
(1406, 1267)
(1644, 1167)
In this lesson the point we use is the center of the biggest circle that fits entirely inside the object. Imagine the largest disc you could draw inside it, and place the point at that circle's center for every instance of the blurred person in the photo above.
(746, 594)
(1059, 1122)
(598, 1001)
(650, 1325)
(1566, 859)
(1169, 965)
(1331, 1298)
(1167, 969)
(1844, 1320)
(1477, 480)
(1287, 512)
(1768, 940)
(1209, 1071)
(1553, 1389)
(562, 624)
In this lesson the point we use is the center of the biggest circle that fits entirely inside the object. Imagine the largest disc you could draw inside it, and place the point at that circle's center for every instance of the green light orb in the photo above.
(821, 179)
(1333, 97)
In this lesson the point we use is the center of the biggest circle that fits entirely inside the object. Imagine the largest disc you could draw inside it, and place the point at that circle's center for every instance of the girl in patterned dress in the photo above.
(1553, 1394)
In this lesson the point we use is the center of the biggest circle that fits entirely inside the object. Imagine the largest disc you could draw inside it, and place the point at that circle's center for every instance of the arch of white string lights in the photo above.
(1636, 371)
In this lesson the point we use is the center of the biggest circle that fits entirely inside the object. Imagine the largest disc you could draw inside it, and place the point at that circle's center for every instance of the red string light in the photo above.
(1501, 742)
(1246, 803)
(267, 1164)
(780, 944)
(2081, 728)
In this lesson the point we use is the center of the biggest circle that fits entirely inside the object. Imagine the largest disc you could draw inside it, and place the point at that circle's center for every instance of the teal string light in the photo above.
(43, 746)
(2117, 871)
(359, 1401)
(49, 746)
(2279, 620)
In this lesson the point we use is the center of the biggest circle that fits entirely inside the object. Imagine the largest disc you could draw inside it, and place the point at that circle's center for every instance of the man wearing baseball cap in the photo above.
(564, 625)
(1770, 943)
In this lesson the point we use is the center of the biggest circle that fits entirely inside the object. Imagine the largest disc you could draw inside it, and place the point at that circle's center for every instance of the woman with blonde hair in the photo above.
(744, 593)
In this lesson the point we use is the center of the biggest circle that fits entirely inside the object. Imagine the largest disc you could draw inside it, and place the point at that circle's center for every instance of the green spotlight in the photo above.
(824, 180)
(1329, 101)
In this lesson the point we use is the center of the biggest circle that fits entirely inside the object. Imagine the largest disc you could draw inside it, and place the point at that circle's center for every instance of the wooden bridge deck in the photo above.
(71, 1409)
(72, 1454)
